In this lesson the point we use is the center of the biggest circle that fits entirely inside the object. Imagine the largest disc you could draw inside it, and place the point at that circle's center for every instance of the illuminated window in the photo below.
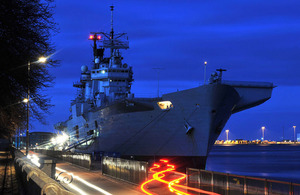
(165, 105)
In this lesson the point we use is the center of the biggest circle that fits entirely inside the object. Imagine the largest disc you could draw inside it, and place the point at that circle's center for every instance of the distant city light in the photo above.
(263, 132)
(25, 100)
(227, 131)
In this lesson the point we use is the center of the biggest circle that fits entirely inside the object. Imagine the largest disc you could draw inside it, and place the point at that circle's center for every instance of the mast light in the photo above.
(94, 37)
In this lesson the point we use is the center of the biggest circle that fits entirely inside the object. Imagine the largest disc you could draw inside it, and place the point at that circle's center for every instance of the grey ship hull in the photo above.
(139, 128)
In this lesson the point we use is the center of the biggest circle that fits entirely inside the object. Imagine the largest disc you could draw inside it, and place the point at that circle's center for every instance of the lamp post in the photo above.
(157, 69)
(263, 132)
(294, 134)
(227, 131)
(205, 63)
(26, 100)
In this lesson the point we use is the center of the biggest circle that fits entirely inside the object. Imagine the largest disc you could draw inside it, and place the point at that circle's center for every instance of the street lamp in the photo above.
(263, 132)
(227, 131)
(26, 100)
(294, 133)
(205, 63)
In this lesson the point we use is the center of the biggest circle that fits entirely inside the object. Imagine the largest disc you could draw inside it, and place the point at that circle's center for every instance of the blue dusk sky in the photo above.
(254, 40)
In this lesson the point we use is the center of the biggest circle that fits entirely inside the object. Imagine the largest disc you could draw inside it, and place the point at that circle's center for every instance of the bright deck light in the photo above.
(60, 139)
(165, 105)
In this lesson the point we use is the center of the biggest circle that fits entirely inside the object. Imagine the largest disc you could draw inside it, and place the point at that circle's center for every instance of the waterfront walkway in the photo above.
(8, 178)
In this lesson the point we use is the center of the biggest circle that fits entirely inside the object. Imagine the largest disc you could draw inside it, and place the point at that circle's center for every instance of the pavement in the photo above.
(8, 178)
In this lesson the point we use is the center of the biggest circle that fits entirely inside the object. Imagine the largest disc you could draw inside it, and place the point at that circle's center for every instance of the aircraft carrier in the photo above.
(106, 117)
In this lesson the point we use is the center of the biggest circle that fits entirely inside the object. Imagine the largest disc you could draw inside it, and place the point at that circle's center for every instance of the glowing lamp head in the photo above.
(263, 128)
(42, 59)
(91, 37)
(98, 37)
(25, 100)
(205, 62)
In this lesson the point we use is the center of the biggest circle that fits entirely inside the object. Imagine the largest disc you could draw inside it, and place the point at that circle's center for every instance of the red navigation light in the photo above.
(91, 37)
(99, 37)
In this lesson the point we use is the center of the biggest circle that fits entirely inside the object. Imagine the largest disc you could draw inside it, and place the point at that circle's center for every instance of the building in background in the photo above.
(35, 139)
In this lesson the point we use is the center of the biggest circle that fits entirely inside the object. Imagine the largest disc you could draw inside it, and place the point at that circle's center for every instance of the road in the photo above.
(163, 180)
(93, 182)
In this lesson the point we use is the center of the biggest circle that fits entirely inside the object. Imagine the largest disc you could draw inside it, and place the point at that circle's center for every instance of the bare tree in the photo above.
(26, 27)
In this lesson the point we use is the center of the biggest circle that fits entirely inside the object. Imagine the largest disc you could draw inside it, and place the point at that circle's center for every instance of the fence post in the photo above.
(147, 170)
(291, 189)
(187, 176)
(245, 185)
(212, 181)
(266, 187)
(199, 178)
(227, 183)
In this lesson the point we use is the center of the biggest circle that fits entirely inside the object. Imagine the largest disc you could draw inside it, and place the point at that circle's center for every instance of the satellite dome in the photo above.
(84, 69)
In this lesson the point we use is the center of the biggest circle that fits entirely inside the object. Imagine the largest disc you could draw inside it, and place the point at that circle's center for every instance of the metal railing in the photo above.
(229, 184)
(80, 159)
(128, 170)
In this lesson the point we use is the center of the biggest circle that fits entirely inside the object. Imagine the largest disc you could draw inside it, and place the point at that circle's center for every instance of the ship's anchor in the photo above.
(188, 127)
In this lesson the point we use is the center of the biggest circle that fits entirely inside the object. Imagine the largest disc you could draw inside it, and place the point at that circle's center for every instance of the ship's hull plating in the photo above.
(141, 129)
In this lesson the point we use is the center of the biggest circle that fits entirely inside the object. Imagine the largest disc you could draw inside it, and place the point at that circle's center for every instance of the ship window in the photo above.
(165, 105)
(93, 71)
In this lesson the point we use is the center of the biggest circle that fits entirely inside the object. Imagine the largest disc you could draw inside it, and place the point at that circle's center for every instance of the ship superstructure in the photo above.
(106, 117)
(109, 79)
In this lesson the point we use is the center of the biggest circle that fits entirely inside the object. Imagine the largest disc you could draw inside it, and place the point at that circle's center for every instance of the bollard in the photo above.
(48, 166)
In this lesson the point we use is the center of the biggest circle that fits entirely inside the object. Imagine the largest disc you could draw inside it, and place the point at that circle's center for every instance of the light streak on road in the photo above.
(159, 175)
(81, 192)
(84, 182)
(155, 166)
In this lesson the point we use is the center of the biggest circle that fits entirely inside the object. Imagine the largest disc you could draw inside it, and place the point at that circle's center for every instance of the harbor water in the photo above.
(278, 162)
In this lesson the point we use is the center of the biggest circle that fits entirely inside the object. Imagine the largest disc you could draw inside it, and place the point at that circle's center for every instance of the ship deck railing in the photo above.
(79, 142)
